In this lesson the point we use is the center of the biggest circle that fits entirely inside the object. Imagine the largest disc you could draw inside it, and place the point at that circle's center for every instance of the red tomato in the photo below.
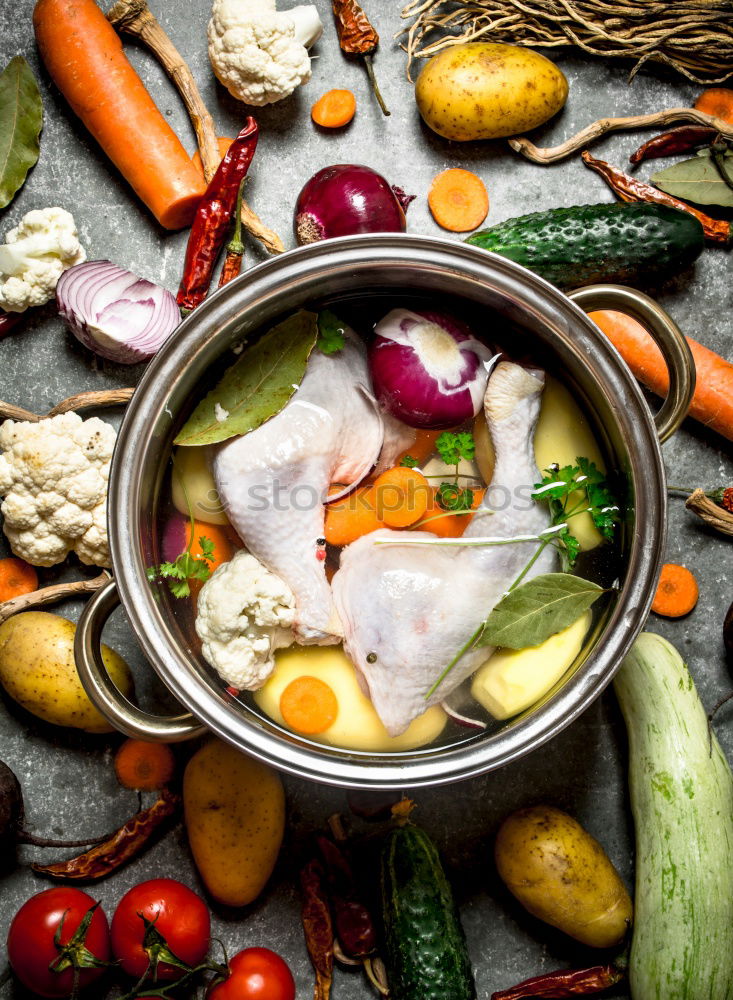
(255, 974)
(31, 947)
(180, 916)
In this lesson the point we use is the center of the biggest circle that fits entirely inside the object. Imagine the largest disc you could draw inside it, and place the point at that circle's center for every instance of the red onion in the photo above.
(114, 313)
(176, 533)
(428, 369)
(346, 199)
(457, 704)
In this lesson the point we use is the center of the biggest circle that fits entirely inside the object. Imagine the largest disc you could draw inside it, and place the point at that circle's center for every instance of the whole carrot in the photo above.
(712, 403)
(84, 56)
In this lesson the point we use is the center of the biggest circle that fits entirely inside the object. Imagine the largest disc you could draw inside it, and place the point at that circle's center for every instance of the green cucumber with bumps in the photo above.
(628, 244)
(426, 952)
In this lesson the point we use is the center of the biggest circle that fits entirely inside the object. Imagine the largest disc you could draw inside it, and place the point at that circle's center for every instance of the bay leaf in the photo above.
(258, 384)
(538, 609)
(697, 180)
(21, 121)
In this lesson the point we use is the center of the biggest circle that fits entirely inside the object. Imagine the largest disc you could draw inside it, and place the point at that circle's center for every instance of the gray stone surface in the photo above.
(67, 778)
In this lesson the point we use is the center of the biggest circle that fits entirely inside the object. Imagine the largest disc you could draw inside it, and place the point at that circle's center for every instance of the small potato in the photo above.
(562, 875)
(37, 669)
(486, 90)
(193, 487)
(234, 809)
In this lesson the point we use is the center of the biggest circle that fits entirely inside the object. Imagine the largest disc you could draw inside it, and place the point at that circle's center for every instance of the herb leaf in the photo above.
(453, 447)
(698, 180)
(21, 121)
(331, 336)
(184, 568)
(408, 462)
(451, 497)
(258, 384)
(538, 609)
(569, 491)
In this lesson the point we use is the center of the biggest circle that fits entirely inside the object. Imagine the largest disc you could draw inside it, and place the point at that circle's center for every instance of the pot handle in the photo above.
(666, 334)
(104, 695)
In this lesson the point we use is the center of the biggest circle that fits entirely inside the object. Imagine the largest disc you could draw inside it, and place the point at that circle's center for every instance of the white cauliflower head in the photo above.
(244, 614)
(35, 254)
(258, 53)
(53, 476)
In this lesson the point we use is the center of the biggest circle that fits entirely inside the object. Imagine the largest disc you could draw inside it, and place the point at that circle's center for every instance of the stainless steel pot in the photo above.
(391, 263)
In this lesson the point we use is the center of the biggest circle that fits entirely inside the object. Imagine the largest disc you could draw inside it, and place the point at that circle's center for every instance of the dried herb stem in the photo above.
(51, 595)
(710, 512)
(693, 37)
(134, 17)
(96, 399)
(596, 130)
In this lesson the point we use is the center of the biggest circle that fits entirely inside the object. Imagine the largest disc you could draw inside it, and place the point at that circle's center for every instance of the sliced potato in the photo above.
(192, 478)
(514, 679)
(357, 725)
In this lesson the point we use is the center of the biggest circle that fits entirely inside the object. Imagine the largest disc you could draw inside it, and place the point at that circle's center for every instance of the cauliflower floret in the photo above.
(34, 256)
(245, 613)
(53, 476)
(259, 54)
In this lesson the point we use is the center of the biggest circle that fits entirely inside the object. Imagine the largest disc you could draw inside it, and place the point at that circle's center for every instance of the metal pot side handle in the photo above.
(105, 696)
(666, 334)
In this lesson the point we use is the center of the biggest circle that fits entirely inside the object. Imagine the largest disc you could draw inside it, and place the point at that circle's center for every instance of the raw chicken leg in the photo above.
(408, 609)
(274, 480)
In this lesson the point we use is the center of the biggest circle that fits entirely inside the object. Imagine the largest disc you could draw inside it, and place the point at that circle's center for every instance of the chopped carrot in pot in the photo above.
(402, 496)
(308, 705)
(458, 200)
(677, 591)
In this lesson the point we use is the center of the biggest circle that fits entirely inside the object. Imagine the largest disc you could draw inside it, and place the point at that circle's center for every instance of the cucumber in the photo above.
(426, 952)
(682, 801)
(626, 243)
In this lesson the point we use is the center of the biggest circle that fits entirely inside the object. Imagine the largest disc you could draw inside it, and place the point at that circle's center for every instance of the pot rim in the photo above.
(214, 322)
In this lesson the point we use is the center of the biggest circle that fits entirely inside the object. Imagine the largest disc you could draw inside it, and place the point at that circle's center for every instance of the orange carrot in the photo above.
(444, 524)
(84, 56)
(677, 591)
(224, 145)
(223, 549)
(402, 496)
(335, 109)
(458, 200)
(144, 766)
(712, 403)
(352, 516)
(716, 101)
(308, 705)
(422, 447)
(16, 577)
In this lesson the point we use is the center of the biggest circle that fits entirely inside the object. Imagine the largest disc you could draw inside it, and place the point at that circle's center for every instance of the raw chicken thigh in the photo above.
(407, 610)
(274, 480)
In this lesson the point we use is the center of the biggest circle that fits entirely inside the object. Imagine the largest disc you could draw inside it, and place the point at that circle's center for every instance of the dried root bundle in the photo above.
(694, 37)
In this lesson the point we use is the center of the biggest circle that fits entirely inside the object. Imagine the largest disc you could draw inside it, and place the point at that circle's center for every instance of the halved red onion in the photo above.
(428, 369)
(346, 199)
(457, 706)
(115, 313)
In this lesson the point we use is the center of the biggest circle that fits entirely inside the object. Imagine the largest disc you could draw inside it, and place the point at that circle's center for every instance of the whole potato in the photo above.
(486, 90)
(37, 669)
(562, 875)
(234, 808)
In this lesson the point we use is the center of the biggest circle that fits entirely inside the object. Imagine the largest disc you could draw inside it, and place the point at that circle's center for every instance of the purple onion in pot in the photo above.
(428, 369)
(346, 199)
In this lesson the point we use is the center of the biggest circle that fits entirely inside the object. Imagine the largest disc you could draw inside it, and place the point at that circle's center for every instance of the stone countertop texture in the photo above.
(67, 777)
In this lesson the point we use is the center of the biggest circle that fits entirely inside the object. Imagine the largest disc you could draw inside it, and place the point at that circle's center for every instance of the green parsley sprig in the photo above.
(452, 448)
(331, 333)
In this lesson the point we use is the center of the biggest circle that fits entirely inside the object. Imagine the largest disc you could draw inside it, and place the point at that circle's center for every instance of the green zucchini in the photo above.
(584, 244)
(682, 800)
(426, 952)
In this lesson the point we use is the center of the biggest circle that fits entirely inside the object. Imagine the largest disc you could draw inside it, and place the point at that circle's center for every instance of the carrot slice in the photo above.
(223, 549)
(335, 109)
(144, 766)
(443, 523)
(422, 447)
(716, 101)
(224, 145)
(308, 705)
(352, 516)
(677, 591)
(458, 200)
(83, 53)
(402, 495)
(16, 577)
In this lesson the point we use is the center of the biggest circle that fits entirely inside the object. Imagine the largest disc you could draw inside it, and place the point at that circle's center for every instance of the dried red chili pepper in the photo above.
(676, 140)
(630, 189)
(318, 928)
(8, 321)
(727, 499)
(235, 246)
(353, 921)
(564, 983)
(358, 37)
(121, 847)
(213, 216)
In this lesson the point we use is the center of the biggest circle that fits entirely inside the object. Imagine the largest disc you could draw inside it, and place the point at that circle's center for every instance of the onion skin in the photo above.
(344, 200)
(407, 391)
